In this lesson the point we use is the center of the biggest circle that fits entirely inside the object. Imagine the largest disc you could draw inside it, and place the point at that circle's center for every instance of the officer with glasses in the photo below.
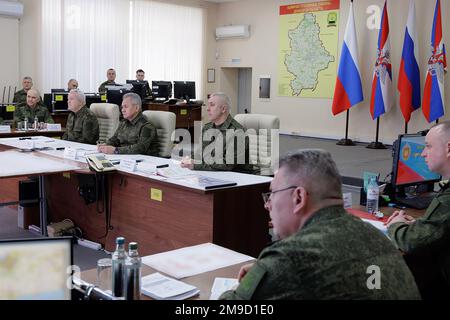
(323, 252)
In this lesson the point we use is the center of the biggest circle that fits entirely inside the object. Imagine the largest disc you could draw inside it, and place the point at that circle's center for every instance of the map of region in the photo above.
(308, 49)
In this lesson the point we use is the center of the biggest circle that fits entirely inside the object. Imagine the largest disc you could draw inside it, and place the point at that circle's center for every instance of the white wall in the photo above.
(313, 116)
(9, 62)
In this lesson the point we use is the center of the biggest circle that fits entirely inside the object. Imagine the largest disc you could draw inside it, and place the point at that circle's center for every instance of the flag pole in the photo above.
(406, 127)
(346, 141)
(376, 144)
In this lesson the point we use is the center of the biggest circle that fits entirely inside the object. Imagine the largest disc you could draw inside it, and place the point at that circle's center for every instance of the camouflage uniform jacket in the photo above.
(40, 111)
(208, 150)
(328, 259)
(102, 89)
(428, 236)
(137, 136)
(82, 127)
(20, 97)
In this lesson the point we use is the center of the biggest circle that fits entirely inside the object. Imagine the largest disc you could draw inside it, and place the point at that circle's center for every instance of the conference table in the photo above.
(33, 133)
(159, 213)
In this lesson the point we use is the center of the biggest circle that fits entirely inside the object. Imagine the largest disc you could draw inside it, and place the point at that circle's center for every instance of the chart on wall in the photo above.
(309, 35)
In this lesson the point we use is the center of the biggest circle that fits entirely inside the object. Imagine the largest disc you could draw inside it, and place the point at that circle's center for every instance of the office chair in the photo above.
(108, 119)
(261, 148)
(164, 122)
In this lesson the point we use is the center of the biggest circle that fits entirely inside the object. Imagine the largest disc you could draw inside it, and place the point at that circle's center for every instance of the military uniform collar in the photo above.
(136, 119)
(82, 110)
(224, 125)
(326, 213)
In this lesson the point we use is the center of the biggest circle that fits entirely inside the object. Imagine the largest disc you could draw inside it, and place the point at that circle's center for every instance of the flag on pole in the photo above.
(348, 90)
(381, 99)
(409, 75)
(433, 104)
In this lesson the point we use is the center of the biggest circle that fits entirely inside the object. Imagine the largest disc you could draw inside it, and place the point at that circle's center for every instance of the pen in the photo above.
(24, 138)
(61, 148)
(162, 166)
(394, 205)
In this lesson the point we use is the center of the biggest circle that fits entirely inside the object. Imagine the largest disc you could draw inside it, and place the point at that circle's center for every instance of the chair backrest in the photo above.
(164, 121)
(260, 139)
(108, 119)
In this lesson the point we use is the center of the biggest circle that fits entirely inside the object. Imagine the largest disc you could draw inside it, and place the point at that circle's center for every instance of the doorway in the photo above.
(244, 97)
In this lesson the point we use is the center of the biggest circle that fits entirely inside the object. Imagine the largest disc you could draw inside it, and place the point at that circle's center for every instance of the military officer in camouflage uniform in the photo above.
(235, 156)
(324, 252)
(21, 95)
(31, 109)
(135, 134)
(111, 75)
(426, 241)
(82, 124)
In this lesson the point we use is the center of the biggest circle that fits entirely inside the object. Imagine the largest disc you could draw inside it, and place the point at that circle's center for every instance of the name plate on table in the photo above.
(5, 129)
(53, 126)
(128, 165)
(70, 153)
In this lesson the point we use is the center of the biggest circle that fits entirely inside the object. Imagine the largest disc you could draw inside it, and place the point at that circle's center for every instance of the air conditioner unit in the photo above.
(237, 31)
(11, 9)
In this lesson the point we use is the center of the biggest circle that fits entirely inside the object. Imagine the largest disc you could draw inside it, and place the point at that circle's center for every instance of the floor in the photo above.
(352, 161)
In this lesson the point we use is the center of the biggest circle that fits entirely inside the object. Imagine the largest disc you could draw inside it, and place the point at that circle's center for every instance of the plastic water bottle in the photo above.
(35, 124)
(118, 267)
(25, 123)
(373, 192)
(132, 279)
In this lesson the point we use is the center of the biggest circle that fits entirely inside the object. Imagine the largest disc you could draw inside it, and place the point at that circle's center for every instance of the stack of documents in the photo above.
(221, 285)
(160, 287)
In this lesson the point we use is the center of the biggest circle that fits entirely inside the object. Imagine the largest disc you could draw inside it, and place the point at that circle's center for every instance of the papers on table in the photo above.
(377, 224)
(161, 287)
(194, 260)
(174, 171)
(221, 285)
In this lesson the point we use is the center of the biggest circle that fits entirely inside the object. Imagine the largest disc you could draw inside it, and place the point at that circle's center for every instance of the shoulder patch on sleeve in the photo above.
(250, 282)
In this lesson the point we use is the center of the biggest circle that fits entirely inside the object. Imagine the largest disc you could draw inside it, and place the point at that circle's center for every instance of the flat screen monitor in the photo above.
(7, 111)
(140, 87)
(184, 90)
(59, 101)
(162, 89)
(409, 167)
(35, 269)
(115, 96)
(58, 90)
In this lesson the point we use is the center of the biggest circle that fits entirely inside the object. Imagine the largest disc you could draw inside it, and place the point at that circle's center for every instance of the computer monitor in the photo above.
(140, 87)
(162, 89)
(35, 269)
(7, 110)
(116, 96)
(409, 167)
(58, 90)
(59, 101)
(184, 90)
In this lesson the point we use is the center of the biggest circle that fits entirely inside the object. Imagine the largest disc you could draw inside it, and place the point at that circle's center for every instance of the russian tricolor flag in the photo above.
(348, 90)
(409, 75)
(433, 104)
(381, 99)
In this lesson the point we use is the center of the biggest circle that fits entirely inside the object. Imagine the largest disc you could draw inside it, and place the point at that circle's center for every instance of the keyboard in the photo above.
(420, 202)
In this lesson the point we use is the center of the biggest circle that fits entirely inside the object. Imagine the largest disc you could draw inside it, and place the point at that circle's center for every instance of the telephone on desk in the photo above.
(171, 101)
(99, 163)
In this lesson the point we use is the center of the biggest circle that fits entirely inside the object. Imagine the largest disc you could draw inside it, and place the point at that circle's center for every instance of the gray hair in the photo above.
(36, 91)
(225, 99)
(135, 99)
(444, 128)
(27, 78)
(315, 170)
(80, 95)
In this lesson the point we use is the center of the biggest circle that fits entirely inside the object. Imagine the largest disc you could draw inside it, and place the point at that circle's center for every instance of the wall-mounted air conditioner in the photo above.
(236, 31)
(11, 9)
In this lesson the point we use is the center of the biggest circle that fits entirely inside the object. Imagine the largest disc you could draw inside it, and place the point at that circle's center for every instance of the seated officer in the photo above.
(72, 84)
(21, 95)
(235, 156)
(111, 75)
(135, 134)
(426, 241)
(82, 124)
(324, 252)
(32, 108)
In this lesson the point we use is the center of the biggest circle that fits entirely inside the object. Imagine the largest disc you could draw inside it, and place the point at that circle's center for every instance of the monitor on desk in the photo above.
(35, 269)
(59, 100)
(140, 87)
(162, 89)
(115, 94)
(184, 90)
(7, 111)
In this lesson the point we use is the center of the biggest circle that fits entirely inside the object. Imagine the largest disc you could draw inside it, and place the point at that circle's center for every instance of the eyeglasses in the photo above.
(266, 195)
